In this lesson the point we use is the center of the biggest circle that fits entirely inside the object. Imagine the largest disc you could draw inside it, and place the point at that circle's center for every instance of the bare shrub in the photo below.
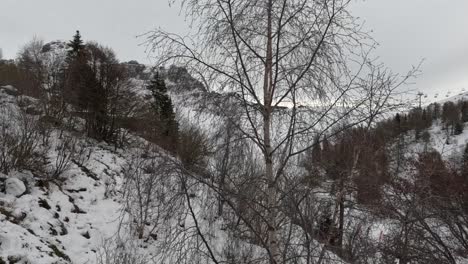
(115, 251)
(19, 141)
(65, 152)
(194, 148)
(149, 193)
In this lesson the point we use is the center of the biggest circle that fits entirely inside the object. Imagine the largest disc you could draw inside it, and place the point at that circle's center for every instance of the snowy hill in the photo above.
(79, 200)
(83, 216)
(63, 223)
(463, 96)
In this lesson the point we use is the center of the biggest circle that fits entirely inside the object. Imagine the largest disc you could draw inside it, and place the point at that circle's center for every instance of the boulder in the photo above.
(10, 90)
(14, 187)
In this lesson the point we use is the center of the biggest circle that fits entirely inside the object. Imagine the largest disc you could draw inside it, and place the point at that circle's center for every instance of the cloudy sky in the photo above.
(408, 31)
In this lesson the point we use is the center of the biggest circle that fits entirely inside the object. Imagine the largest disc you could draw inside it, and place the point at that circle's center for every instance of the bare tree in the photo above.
(296, 68)
(194, 148)
(44, 70)
(30, 60)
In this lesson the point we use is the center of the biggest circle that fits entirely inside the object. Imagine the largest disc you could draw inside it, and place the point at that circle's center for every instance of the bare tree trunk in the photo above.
(224, 168)
(273, 246)
(341, 218)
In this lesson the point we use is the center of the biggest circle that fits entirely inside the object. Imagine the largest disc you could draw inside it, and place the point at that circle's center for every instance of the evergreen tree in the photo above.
(316, 152)
(426, 138)
(464, 111)
(450, 117)
(465, 155)
(326, 148)
(162, 105)
(417, 122)
(398, 119)
(76, 46)
(76, 74)
(436, 111)
(164, 113)
(427, 117)
(396, 125)
(458, 129)
(464, 166)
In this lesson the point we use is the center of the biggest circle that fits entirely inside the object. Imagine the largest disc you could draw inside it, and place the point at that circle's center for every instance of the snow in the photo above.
(51, 217)
(463, 96)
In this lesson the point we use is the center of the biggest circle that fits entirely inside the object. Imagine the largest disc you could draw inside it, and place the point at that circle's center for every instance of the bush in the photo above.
(193, 148)
(150, 193)
(19, 141)
(458, 129)
(66, 151)
(119, 252)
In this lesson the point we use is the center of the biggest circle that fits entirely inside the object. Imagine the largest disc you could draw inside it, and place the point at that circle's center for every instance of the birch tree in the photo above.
(298, 69)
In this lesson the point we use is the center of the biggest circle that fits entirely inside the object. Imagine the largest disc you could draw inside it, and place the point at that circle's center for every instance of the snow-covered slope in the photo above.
(66, 222)
(77, 220)
(463, 96)
(86, 214)
(69, 220)
(62, 224)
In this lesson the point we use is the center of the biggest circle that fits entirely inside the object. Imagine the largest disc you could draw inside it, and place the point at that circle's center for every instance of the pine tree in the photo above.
(436, 111)
(427, 117)
(464, 111)
(162, 105)
(426, 138)
(76, 46)
(464, 167)
(164, 113)
(396, 125)
(458, 128)
(450, 117)
(316, 152)
(75, 72)
(465, 155)
(327, 155)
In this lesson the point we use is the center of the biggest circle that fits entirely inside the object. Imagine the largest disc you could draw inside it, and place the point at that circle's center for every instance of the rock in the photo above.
(10, 90)
(44, 204)
(14, 187)
(32, 110)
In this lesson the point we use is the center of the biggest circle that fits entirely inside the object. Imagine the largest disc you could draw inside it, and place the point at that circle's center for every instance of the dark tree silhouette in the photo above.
(166, 124)
(76, 46)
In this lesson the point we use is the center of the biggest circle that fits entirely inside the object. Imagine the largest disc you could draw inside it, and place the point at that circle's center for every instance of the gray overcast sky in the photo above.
(407, 30)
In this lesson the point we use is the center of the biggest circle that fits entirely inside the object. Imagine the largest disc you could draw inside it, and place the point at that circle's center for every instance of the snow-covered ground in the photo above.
(62, 223)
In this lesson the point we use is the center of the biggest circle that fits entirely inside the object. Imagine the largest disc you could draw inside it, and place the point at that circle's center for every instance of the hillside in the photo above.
(123, 163)
(78, 220)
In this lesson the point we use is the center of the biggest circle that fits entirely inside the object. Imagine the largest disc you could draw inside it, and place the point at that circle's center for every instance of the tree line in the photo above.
(374, 170)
